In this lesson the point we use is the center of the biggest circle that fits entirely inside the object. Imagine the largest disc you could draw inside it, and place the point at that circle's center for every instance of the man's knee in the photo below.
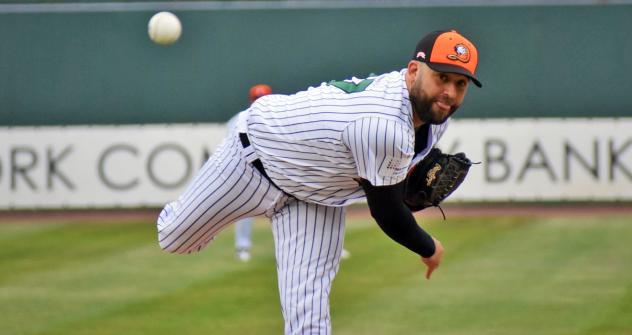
(167, 219)
(167, 244)
(170, 246)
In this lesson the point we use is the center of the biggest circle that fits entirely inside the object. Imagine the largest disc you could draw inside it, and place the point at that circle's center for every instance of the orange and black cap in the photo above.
(448, 51)
(258, 91)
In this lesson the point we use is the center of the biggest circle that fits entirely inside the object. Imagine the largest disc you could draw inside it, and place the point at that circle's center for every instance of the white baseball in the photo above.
(164, 28)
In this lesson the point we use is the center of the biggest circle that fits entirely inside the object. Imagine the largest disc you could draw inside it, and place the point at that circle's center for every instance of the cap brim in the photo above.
(454, 69)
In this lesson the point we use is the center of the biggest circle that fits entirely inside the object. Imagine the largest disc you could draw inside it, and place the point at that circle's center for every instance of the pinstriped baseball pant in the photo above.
(308, 240)
(308, 237)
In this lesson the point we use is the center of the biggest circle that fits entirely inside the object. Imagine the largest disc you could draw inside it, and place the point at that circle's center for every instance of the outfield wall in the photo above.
(148, 165)
(93, 63)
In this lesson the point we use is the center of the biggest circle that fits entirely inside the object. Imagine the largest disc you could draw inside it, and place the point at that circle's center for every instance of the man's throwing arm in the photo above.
(395, 218)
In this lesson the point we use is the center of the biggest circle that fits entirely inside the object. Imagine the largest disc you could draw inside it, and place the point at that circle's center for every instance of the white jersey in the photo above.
(316, 144)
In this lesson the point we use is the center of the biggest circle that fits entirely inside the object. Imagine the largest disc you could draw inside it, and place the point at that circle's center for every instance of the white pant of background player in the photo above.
(308, 237)
(243, 238)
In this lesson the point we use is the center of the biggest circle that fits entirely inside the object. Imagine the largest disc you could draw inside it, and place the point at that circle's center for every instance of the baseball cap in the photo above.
(448, 51)
(258, 91)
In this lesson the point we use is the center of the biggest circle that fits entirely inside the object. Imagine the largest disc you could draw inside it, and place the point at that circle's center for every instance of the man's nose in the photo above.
(449, 90)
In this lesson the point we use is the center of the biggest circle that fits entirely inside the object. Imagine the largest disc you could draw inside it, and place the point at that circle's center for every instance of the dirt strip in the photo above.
(452, 210)
(531, 210)
(81, 215)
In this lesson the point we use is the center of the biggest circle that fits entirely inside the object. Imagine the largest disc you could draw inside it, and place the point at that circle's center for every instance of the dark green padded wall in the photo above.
(100, 68)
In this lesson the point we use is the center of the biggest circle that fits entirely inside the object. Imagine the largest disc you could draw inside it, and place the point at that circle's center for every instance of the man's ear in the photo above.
(414, 66)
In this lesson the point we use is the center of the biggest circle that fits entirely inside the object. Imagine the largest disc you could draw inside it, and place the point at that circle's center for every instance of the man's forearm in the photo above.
(395, 219)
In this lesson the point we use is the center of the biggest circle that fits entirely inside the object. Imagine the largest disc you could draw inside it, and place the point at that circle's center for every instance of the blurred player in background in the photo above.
(300, 159)
(243, 228)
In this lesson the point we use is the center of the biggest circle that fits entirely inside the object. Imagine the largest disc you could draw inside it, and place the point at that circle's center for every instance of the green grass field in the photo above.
(499, 276)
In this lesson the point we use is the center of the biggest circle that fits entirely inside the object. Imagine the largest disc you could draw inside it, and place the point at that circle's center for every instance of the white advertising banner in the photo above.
(148, 165)
(101, 166)
(544, 159)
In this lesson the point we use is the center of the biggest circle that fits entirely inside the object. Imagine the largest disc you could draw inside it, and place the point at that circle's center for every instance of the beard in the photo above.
(423, 107)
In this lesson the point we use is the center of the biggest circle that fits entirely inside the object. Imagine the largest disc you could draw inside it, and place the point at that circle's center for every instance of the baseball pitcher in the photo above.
(300, 159)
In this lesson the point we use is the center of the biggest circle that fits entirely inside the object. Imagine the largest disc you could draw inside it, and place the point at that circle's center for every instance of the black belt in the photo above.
(243, 137)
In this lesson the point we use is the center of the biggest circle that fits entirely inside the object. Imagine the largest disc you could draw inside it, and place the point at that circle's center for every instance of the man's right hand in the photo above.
(433, 261)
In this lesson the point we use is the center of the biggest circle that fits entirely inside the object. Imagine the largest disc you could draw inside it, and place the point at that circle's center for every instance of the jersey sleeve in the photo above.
(382, 149)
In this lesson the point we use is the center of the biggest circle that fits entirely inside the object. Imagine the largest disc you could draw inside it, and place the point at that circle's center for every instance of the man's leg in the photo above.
(243, 230)
(243, 239)
(226, 189)
(308, 240)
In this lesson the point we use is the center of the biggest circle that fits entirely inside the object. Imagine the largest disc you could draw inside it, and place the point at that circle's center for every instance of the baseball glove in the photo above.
(434, 178)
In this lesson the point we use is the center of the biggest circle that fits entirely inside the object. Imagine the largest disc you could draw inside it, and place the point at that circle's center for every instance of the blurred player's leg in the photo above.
(226, 189)
(308, 242)
(345, 254)
(243, 240)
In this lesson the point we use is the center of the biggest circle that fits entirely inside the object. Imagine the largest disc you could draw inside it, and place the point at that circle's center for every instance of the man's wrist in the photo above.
(429, 249)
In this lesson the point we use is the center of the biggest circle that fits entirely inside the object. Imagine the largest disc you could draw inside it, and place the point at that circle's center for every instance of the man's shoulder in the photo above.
(389, 80)
(366, 83)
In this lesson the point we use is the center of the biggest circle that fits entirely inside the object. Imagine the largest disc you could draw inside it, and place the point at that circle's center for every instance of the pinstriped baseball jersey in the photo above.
(316, 144)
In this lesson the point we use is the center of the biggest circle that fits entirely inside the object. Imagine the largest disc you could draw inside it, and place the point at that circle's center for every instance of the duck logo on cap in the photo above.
(462, 53)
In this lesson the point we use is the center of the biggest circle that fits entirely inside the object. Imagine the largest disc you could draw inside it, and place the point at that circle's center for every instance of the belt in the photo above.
(243, 137)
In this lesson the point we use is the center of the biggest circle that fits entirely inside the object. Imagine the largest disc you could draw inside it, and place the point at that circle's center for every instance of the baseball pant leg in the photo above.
(308, 243)
(226, 189)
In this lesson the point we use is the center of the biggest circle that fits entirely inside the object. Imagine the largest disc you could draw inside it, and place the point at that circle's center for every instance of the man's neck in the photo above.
(416, 120)
(409, 84)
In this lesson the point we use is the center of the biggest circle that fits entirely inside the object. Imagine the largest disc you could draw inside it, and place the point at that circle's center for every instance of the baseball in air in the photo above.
(164, 28)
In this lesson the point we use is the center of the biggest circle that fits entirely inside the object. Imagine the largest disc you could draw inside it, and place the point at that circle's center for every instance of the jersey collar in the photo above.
(407, 107)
